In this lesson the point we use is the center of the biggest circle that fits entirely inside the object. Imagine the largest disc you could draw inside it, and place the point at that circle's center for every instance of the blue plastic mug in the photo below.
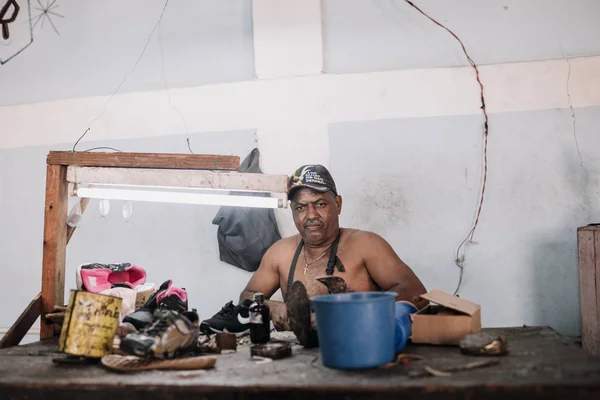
(361, 330)
(402, 311)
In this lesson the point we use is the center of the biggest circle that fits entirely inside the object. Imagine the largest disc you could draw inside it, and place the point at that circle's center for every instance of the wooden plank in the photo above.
(83, 203)
(588, 241)
(55, 243)
(32, 331)
(17, 332)
(178, 178)
(540, 365)
(145, 160)
(595, 348)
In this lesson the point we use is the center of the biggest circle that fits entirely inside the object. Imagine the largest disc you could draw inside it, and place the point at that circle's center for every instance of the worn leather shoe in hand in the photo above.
(299, 315)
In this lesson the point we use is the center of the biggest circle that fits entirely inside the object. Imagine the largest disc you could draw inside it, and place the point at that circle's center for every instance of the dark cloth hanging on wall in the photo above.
(245, 233)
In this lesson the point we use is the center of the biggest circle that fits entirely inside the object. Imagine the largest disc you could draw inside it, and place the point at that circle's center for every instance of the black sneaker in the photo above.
(166, 297)
(231, 319)
(170, 334)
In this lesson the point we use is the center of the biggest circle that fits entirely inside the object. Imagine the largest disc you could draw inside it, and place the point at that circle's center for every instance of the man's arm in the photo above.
(389, 271)
(266, 281)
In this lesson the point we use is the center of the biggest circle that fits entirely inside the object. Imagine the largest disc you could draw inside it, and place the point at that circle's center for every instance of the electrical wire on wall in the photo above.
(461, 250)
(126, 76)
(162, 63)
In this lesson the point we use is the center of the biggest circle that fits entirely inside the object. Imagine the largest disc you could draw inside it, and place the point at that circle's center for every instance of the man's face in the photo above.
(316, 214)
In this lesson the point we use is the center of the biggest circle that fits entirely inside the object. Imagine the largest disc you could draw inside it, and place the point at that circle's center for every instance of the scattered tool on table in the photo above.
(402, 359)
(226, 341)
(274, 350)
(483, 344)
(446, 371)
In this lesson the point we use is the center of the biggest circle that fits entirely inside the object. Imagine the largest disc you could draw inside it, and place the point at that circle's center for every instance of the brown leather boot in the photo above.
(299, 315)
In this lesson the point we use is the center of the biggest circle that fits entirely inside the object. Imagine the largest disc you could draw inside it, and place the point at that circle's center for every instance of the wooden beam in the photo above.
(145, 160)
(55, 244)
(83, 203)
(17, 332)
(596, 335)
(178, 178)
(588, 240)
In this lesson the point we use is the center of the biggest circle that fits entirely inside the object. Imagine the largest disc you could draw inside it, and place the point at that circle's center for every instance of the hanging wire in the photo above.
(126, 76)
(189, 147)
(167, 89)
(103, 148)
(461, 250)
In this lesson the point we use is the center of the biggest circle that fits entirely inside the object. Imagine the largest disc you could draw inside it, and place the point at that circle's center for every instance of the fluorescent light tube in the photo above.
(178, 198)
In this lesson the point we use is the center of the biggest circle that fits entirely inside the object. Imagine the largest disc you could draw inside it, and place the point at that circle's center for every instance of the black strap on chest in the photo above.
(331, 264)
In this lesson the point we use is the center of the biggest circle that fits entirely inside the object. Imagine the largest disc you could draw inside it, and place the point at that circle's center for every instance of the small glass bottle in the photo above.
(260, 326)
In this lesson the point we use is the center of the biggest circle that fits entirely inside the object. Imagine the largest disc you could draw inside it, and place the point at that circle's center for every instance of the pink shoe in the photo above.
(173, 298)
(167, 297)
(97, 277)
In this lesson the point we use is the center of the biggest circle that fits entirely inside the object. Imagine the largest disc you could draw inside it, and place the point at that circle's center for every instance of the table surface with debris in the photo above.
(540, 364)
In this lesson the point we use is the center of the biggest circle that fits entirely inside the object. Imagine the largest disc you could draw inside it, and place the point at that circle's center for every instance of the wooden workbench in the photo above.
(541, 364)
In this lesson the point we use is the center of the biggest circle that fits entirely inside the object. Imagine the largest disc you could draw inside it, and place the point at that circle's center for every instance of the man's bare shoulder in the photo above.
(358, 236)
(366, 243)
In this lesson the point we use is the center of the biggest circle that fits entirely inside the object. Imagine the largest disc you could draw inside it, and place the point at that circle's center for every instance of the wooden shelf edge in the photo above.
(145, 160)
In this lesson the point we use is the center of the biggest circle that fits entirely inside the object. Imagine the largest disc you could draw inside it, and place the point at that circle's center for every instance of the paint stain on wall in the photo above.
(381, 205)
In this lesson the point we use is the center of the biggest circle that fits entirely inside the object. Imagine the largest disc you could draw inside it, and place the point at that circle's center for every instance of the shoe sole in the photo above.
(131, 363)
(298, 312)
(237, 334)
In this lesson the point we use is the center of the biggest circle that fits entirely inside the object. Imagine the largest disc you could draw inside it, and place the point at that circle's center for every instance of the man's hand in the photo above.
(279, 315)
(278, 312)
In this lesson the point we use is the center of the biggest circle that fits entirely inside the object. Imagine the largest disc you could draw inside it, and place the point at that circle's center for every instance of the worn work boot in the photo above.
(334, 284)
(170, 334)
(299, 315)
(167, 296)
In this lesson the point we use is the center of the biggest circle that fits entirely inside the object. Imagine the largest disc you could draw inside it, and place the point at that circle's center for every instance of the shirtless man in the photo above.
(368, 262)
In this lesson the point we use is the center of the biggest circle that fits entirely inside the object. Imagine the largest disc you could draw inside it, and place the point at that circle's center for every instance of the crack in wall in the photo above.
(573, 112)
(586, 202)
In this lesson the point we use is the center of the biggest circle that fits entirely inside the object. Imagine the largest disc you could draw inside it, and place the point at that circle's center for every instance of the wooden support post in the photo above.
(588, 240)
(55, 244)
(17, 332)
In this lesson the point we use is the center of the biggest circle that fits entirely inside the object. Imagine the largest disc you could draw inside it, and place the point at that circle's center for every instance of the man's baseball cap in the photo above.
(316, 177)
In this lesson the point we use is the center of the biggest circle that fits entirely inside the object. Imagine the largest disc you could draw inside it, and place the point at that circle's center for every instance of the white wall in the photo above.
(98, 44)
(302, 119)
(362, 36)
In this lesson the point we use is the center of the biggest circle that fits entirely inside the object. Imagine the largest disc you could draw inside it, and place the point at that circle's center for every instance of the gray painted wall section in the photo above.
(203, 42)
(416, 182)
(170, 241)
(376, 35)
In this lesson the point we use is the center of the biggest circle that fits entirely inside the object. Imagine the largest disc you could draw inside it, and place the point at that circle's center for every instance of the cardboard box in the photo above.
(446, 320)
